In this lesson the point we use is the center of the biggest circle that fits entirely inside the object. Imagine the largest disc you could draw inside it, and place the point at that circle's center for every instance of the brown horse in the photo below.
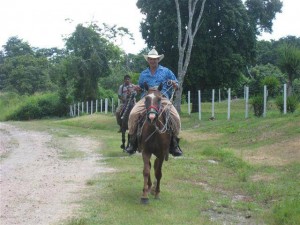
(154, 139)
(122, 117)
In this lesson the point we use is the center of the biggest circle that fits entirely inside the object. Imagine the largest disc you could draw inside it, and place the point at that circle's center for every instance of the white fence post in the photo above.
(246, 101)
(101, 103)
(106, 105)
(78, 109)
(284, 99)
(199, 104)
(92, 106)
(189, 102)
(213, 104)
(87, 107)
(228, 107)
(265, 101)
(96, 105)
(71, 110)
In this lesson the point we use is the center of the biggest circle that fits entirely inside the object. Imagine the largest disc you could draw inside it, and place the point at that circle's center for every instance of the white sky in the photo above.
(42, 22)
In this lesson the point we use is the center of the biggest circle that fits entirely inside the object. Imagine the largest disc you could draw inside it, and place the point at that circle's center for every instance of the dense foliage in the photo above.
(226, 54)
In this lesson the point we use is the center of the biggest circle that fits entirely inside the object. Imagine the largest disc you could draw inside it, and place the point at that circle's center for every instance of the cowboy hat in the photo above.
(153, 54)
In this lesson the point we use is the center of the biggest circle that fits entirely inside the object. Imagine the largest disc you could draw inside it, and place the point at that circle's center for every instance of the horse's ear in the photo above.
(146, 86)
(160, 86)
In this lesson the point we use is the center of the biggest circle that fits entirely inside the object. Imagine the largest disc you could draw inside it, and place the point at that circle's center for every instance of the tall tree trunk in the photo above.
(185, 43)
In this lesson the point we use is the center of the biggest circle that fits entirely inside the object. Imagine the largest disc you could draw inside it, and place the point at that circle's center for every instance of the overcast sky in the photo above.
(42, 22)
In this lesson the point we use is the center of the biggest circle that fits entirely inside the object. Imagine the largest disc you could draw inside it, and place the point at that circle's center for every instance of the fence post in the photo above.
(101, 103)
(78, 109)
(96, 105)
(106, 105)
(199, 103)
(219, 95)
(92, 106)
(82, 107)
(284, 99)
(265, 101)
(213, 104)
(112, 106)
(247, 100)
(189, 102)
(228, 107)
(87, 107)
(71, 110)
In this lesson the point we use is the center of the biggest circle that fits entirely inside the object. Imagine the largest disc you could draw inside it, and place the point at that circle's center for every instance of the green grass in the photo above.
(213, 183)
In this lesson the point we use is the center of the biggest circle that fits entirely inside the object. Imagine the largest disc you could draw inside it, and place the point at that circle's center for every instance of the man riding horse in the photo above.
(125, 92)
(154, 76)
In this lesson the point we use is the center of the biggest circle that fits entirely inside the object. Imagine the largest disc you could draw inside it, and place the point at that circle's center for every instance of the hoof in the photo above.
(144, 201)
(122, 147)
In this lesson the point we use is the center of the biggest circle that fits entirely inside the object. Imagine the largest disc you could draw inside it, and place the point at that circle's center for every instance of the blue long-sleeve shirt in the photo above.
(161, 75)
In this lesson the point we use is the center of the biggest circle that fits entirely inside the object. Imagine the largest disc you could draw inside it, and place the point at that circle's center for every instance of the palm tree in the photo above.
(289, 63)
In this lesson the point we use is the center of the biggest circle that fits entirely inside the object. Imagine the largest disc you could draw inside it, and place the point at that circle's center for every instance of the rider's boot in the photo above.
(174, 147)
(133, 145)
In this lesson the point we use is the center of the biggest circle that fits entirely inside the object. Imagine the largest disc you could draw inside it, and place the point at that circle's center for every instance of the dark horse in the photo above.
(122, 117)
(154, 138)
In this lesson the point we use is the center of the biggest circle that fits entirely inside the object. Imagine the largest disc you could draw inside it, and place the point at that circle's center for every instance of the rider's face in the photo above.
(127, 80)
(153, 62)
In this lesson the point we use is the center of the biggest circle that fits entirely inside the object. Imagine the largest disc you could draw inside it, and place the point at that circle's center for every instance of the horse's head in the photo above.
(152, 102)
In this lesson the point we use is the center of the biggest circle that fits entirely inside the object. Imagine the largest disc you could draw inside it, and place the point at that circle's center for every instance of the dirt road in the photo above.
(38, 186)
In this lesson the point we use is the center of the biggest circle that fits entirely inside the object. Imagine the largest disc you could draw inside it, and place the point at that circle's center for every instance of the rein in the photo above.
(159, 113)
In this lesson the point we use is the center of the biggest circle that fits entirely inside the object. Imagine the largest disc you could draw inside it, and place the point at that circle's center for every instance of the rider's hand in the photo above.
(137, 88)
(175, 86)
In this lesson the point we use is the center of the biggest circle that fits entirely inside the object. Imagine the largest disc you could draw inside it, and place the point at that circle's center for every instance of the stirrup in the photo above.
(130, 149)
(176, 151)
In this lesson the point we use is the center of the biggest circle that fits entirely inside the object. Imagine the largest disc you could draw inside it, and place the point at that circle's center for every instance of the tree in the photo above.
(186, 35)
(289, 62)
(16, 47)
(21, 70)
(262, 13)
(88, 60)
(226, 30)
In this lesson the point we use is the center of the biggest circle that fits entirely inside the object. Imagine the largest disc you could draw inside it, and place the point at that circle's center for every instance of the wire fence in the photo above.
(194, 101)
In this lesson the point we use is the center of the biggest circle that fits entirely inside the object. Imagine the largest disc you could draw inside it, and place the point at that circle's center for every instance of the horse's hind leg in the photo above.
(128, 136)
(123, 139)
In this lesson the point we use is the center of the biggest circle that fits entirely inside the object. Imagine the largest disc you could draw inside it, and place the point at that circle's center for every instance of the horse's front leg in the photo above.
(147, 178)
(158, 175)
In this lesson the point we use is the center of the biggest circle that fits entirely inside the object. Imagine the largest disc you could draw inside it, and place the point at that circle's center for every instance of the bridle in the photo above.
(157, 111)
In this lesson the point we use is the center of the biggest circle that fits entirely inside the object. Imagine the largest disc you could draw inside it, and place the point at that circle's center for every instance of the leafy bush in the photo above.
(272, 83)
(291, 103)
(37, 107)
(257, 103)
(108, 94)
(8, 103)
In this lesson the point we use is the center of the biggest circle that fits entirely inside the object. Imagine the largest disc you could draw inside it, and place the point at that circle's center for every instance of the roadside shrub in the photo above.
(109, 94)
(37, 107)
(291, 103)
(257, 103)
(272, 83)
